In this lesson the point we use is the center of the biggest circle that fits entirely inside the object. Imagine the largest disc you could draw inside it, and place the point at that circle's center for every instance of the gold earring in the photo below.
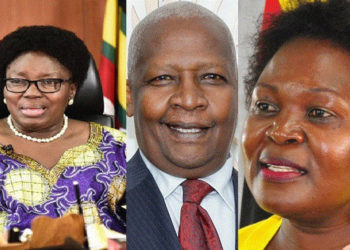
(71, 101)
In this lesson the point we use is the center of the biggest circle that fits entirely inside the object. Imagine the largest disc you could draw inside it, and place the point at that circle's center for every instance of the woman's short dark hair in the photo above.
(61, 44)
(319, 20)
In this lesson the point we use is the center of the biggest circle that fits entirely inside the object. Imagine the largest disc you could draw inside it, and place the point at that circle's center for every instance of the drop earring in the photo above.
(5, 101)
(71, 101)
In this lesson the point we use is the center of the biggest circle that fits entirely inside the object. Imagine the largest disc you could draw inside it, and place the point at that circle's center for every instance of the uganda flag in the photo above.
(288, 5)
(113, 61)
(274, 7)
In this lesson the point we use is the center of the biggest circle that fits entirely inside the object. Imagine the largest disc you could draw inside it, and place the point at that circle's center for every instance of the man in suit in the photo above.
(182, 92)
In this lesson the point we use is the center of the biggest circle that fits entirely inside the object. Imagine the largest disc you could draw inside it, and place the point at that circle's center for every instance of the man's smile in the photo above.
(191, 131)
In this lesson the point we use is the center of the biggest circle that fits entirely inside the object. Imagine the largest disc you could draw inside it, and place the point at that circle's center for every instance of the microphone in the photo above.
(77, 194)
(8, 149)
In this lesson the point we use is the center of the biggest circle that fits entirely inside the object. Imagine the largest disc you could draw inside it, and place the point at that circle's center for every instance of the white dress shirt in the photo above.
(220, 203)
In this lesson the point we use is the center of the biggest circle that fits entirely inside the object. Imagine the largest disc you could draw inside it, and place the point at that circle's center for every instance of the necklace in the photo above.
(40, 140)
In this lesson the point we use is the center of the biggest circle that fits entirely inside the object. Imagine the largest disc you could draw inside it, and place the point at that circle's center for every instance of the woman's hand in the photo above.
(3, 238)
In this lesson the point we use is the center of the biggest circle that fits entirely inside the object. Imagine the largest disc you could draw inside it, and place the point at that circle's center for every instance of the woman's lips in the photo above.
(33, 112)
(280, 170)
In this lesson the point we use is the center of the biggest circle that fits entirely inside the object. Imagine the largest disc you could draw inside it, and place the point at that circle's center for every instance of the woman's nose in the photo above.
(32, 91)
(286, 131)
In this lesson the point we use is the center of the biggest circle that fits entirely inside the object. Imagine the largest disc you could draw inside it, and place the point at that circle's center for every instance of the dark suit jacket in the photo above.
(149, 225)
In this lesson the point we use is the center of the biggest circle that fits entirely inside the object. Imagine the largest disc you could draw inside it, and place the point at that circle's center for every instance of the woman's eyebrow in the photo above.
(323, 90)
(266, 85)
(317, 90)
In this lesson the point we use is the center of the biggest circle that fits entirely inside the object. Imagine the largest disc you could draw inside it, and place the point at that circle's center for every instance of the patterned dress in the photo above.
(27, 189)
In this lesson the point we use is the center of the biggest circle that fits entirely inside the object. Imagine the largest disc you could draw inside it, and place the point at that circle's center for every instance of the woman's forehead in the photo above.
(34, 62)
(315, 64)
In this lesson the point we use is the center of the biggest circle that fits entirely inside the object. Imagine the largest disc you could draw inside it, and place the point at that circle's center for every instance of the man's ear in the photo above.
(129, 101)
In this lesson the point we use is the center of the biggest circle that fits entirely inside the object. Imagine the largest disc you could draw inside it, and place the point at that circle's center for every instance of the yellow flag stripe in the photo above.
(121, 66)
(110, 23)
(288, 5)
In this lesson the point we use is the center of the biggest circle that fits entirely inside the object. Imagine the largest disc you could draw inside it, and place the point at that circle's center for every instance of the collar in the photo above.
(220, 180)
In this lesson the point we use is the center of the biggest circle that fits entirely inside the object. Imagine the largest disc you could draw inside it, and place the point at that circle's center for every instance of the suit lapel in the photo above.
(148, 222)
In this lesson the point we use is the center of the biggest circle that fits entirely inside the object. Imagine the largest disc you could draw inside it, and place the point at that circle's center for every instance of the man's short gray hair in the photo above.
(181, 10)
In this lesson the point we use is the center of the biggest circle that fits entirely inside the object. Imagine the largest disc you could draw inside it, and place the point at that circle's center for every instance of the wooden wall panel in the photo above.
(83, 17)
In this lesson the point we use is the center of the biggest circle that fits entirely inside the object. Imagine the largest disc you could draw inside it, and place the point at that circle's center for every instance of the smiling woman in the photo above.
(296, 139)
(42, 152)
(29, 111)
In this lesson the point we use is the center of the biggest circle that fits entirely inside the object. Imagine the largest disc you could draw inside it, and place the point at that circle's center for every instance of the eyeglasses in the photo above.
(18, 85)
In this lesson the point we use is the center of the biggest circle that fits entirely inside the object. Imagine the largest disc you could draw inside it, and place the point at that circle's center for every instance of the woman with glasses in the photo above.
(42, 152)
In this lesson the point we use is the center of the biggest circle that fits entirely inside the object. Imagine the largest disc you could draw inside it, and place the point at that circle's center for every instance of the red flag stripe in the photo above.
(272, 8)
(107, 75)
